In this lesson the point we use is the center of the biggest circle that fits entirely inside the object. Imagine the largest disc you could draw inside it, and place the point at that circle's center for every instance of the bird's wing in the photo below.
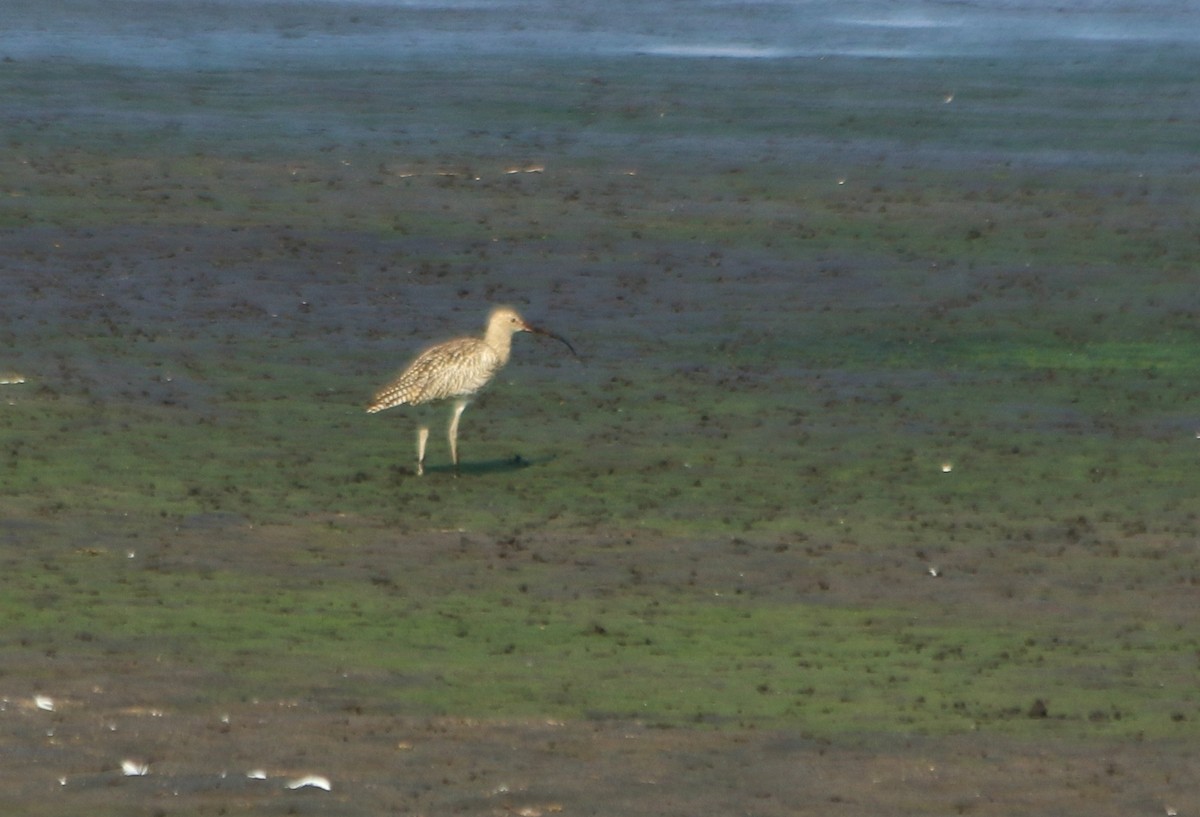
(453, 369)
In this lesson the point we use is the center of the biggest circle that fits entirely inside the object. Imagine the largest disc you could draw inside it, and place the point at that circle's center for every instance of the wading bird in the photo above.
(456, 370)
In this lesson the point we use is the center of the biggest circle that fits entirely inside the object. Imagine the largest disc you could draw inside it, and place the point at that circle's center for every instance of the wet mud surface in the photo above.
(870, 494)
(249, 759)
(146, 705)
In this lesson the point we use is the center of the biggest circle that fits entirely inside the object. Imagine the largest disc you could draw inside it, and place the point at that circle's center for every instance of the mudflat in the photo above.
(872, 492)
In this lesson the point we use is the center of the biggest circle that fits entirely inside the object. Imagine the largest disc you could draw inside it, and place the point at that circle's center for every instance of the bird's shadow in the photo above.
(484, 467)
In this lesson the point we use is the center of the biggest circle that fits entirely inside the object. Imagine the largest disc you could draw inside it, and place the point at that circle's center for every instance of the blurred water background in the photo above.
(223, 34)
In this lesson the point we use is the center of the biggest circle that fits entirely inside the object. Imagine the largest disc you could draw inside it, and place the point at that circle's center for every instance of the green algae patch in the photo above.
(347, 619)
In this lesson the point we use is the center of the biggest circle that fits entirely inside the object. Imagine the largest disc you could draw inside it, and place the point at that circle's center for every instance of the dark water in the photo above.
(218, 34)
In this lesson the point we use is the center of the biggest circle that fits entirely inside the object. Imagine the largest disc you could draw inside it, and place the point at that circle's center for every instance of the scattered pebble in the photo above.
(134, 768)
(312, 780)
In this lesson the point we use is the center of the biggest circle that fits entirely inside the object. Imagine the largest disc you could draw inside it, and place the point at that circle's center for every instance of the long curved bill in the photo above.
(539, 331)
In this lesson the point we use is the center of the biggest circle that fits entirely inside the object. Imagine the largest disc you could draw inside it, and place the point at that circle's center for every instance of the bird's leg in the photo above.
(459, 406)
(422, 438)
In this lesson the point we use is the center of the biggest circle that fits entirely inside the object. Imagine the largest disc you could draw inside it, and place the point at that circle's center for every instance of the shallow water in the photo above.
(225, 34)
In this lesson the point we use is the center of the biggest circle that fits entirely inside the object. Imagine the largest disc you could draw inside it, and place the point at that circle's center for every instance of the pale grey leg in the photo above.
(422, 438)
(459, 406)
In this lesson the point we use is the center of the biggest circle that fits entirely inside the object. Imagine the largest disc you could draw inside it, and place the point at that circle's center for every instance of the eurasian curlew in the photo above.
(455, 370)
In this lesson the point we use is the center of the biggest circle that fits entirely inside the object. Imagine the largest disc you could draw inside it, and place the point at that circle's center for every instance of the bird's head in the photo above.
(506, 319)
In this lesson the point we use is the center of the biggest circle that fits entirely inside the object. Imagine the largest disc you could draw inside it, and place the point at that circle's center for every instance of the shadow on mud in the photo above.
(514, 463)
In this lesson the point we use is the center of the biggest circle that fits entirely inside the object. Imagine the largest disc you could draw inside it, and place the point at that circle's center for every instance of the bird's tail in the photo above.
(385, 399)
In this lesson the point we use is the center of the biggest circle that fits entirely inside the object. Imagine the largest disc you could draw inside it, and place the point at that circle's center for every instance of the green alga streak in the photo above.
(699, 654)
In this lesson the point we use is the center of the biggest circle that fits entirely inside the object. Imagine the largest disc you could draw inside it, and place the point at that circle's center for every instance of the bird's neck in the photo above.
(499, 338)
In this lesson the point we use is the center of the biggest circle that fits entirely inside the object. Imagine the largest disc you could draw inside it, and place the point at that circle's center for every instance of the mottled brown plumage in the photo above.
(455, 370)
